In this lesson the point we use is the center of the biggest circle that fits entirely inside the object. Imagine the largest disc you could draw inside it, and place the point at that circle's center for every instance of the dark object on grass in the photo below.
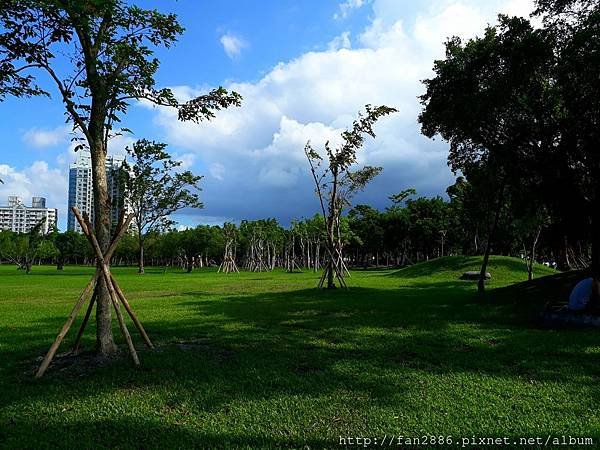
(580, 295)
(474, 275)
(578, 313)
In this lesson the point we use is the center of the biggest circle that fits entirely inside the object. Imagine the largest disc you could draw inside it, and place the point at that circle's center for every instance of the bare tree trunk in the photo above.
(443, 233)
(491, 234)
(330, 269)
(105, 344)
(532, 254)
(141, 255)
(331, 244)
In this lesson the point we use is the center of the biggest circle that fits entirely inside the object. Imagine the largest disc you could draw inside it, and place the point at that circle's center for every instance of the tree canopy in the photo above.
(155, 188)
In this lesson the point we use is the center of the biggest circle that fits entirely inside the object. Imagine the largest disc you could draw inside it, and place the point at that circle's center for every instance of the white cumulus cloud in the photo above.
(217, 171)
(341, 41)
(256, 152)
(42, 138)
(253, 155)
(233, 45)
(347, 6)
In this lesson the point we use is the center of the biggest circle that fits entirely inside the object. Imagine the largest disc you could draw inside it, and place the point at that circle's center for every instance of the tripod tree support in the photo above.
(228, 265)
(115, 292)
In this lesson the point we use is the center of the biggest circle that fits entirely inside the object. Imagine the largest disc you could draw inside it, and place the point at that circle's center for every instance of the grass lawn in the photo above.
(264, 360)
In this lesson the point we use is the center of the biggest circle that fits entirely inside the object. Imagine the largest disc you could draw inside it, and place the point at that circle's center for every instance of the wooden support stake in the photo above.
(46, 362)
(121, 228)
(115, 293)
(122, 326)
(111, 290)
(134, 318)
(84, 323)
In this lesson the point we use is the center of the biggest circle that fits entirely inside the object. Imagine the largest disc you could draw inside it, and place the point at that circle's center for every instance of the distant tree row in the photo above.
(409, 230)
(520, 109)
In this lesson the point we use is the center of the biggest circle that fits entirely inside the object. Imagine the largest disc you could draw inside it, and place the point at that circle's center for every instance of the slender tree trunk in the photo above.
(491, 234)
(141, 254)
(331, 256)
(532, 254)
(105, 344)
(486, 257)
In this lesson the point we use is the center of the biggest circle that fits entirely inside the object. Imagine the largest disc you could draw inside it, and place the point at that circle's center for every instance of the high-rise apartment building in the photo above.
(21, 219)
(81, 191)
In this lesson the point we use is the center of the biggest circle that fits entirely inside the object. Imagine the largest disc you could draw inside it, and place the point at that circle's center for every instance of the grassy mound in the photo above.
(504, 269)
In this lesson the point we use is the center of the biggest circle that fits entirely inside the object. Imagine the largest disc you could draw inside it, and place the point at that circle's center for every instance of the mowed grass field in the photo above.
(264, 360)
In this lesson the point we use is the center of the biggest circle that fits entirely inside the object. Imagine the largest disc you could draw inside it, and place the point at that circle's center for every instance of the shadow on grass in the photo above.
(306, 344)
(130, 432)
(539, 291)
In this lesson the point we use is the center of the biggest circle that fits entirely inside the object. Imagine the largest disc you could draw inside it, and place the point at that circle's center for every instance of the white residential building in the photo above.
(81, 194)
(21, 219)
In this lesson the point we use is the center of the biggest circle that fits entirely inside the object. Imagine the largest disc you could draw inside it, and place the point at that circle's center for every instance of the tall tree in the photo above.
(230, 236)
(469, 206)
(396, 225)
(491, 99)
(576, 26)
(154, 190)
(99, 55)
(428, 223)
(336, 184)
(366, 224)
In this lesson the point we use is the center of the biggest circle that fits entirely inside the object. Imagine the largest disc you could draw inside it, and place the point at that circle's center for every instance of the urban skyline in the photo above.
(19, 218)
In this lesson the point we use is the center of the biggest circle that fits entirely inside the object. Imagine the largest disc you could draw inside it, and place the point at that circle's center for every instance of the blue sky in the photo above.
(305, 68)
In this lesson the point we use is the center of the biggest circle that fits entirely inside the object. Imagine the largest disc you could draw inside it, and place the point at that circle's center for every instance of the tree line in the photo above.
(518, 106)
(410, 229)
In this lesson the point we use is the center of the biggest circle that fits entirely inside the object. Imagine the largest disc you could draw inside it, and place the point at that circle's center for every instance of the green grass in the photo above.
(264, 360)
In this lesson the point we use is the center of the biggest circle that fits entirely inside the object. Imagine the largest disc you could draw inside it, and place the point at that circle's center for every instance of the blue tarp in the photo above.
(580, 295)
